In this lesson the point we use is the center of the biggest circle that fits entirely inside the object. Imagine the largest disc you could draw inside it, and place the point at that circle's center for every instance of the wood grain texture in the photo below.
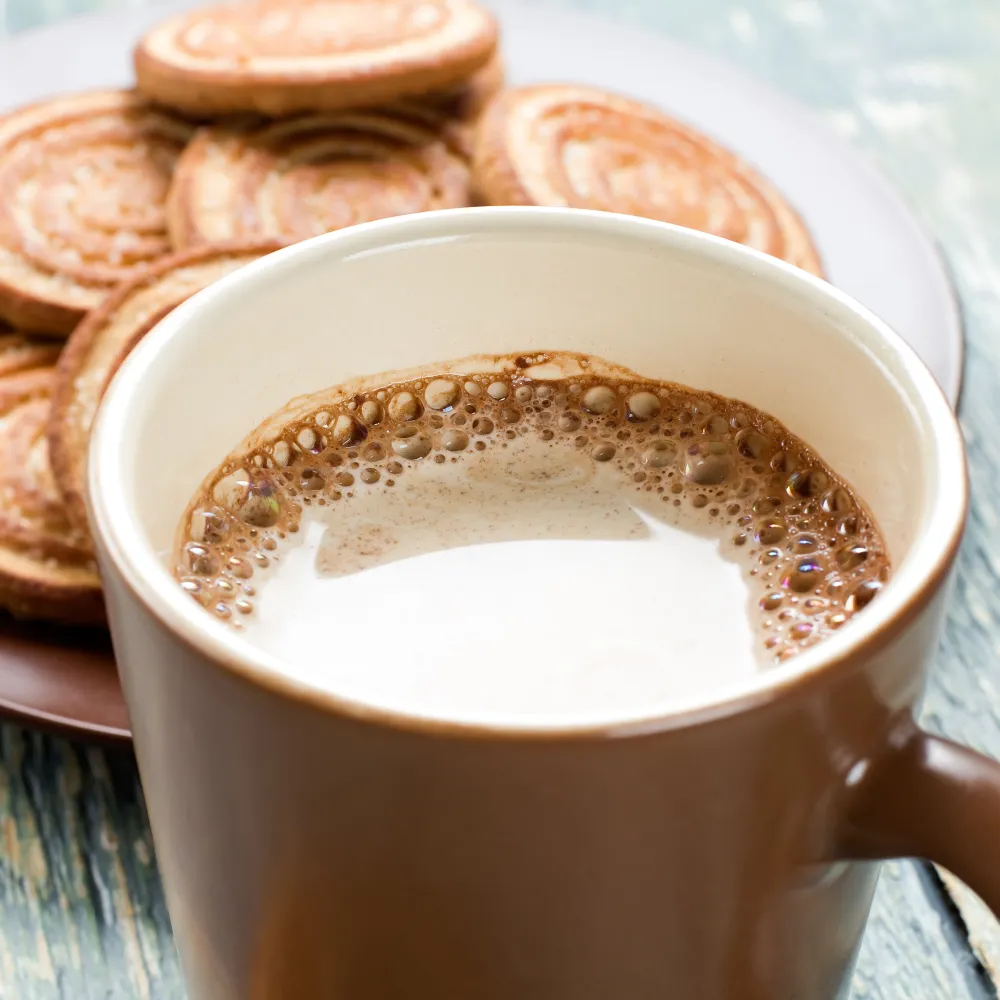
(81, 910)
(913, 84)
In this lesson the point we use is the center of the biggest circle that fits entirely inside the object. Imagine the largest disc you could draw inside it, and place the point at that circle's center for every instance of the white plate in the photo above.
(872, 246)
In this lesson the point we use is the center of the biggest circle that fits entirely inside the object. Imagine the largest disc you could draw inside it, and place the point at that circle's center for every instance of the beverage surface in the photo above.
(523, 539)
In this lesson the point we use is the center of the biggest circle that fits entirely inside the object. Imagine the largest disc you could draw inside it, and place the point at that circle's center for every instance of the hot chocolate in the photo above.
(547, 537)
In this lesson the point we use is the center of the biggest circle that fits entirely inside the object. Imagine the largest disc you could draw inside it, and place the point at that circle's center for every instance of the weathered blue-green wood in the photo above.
(81, 910)
(912, 82)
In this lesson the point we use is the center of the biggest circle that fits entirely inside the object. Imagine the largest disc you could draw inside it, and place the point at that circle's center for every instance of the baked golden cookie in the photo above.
(19, 353)
(280, 57)
(469, 99)
(299, 177)
(83, 182)
(578, 147)
(455, 113)
(47, 567)
(101, 342)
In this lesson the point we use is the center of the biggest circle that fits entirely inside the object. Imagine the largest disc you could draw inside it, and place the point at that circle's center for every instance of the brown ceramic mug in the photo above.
(315, 848)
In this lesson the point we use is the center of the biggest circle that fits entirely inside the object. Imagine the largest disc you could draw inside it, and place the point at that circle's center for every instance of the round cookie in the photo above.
(299, 177)
(83, 183)
(578, 147)
(469, 99)
(19, 353)
(455, 113)
(278, 58)
(101, 342)
(47, 567)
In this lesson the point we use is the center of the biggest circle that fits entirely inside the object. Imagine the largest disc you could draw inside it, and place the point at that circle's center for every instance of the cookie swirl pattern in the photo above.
(47, 567)
(83, 185)
(278, 58)
(302, 176)
(579, 147)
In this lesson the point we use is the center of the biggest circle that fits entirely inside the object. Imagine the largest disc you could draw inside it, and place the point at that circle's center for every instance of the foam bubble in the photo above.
(599, 399)
(454, 440)
(346, 430)
(708, 463)
(660, 454)
(404, 406)
(441, 394)
(643, 405)
(411, 446)
(372, 412)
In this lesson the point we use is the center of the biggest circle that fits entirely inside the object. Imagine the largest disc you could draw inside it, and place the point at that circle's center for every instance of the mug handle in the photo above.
(926, 797)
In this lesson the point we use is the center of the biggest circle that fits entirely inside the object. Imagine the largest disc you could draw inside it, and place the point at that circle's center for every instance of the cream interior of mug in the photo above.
(666, 302)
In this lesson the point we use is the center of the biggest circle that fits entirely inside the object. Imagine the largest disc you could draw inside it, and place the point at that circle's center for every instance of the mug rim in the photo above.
(120, 540)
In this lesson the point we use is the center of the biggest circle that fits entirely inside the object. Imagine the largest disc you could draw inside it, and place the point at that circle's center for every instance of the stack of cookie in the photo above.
(255, 125)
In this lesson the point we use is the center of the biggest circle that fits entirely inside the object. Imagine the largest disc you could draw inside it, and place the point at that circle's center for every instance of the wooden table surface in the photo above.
(914, 84)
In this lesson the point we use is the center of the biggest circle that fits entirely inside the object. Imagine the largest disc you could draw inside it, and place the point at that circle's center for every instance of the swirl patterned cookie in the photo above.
(455, 113)
(102, 341)
(278, 58)
(83, 185)
(467, 101)
(299, 177)
(47, 567)
(578, 147)
(18, 353)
